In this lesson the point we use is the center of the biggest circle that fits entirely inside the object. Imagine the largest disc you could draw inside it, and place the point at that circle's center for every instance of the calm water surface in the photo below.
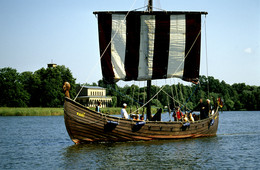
(43, 143)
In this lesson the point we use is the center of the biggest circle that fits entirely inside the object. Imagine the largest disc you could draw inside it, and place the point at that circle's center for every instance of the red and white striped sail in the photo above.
(145, 46)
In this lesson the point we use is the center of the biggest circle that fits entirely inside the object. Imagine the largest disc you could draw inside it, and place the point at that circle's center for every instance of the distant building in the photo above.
(90, 95)
(52, 65)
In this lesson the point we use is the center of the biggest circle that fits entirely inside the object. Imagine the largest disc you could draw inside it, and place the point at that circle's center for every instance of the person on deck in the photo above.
(179, 114)
(191, 117)
(136, 117)
(98, 107)
(186, 117)
(207, 108)
(200, 107)
(124, 113)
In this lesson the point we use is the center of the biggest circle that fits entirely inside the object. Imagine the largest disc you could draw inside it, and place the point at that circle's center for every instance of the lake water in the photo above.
(43, 143)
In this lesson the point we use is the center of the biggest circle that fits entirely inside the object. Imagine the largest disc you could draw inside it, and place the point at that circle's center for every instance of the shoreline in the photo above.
(48, 111)
(31, 111)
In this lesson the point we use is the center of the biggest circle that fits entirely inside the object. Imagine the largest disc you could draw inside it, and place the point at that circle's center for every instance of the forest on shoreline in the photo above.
(43, 88)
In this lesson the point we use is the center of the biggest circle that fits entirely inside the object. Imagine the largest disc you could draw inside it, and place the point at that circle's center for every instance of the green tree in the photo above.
(156, 103)
(238, 96)
(31, 84)
(50, 89)
(114, 101)
(12, 90)
(229, 105)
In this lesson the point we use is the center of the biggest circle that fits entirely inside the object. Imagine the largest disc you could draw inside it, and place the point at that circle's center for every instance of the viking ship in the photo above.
(143, 46)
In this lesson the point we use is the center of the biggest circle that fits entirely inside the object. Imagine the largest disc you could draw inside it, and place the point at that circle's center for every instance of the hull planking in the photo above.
(87, 126)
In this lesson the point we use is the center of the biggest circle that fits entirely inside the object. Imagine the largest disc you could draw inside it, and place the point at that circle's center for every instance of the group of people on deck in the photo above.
(205, 110)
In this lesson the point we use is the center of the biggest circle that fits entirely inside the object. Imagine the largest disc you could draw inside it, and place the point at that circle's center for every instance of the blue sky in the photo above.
(34, 33)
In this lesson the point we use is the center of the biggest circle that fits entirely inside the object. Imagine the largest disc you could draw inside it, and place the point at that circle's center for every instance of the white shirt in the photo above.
(124, 113)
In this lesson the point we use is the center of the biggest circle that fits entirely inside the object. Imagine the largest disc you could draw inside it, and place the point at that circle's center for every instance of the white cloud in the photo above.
(248, 50)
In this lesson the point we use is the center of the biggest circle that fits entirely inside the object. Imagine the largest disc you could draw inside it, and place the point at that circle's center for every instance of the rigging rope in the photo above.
(138, 97)
(171, 90)
(133, 90)
(175, 70)
(190, 97)
(206, 56)
(144, 93)
(190, 50)
(93, 68)
(125, 95)
(168, 105)
(178, 99)
(182, 98)
(172, 97)
(150, 99)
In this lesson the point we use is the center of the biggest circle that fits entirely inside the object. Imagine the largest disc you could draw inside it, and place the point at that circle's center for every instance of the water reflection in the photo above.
(152, 154)
(43, 143)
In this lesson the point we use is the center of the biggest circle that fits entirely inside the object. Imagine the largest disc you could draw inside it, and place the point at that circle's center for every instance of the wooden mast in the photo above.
(150, 5)
(149, 82)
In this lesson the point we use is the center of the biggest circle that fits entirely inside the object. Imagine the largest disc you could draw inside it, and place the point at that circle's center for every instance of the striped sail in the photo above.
(145, 46)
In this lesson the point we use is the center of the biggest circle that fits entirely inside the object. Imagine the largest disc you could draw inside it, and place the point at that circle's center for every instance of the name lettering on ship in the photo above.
(81, 114)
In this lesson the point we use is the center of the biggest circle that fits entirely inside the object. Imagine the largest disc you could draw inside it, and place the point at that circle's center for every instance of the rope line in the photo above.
(176, 69)
(122, 94)
(206, 48)
(163, 85)
(177, 101)
(93, 68)
(174, 72)
(150, 99)
(190, 96)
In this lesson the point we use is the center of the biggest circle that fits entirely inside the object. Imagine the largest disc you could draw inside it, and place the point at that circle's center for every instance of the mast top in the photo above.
(150, 5)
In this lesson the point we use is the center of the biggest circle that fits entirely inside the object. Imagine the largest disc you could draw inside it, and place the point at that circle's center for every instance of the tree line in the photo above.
(43, 88)
(238, 96)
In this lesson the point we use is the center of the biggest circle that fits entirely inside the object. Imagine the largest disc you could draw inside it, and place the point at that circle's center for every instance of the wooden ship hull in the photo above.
(87, 126)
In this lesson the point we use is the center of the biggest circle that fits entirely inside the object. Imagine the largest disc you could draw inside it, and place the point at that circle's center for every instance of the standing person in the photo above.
(207, 108)
(124, 112)
(98, 107)
(200, 107)
(179, 114)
